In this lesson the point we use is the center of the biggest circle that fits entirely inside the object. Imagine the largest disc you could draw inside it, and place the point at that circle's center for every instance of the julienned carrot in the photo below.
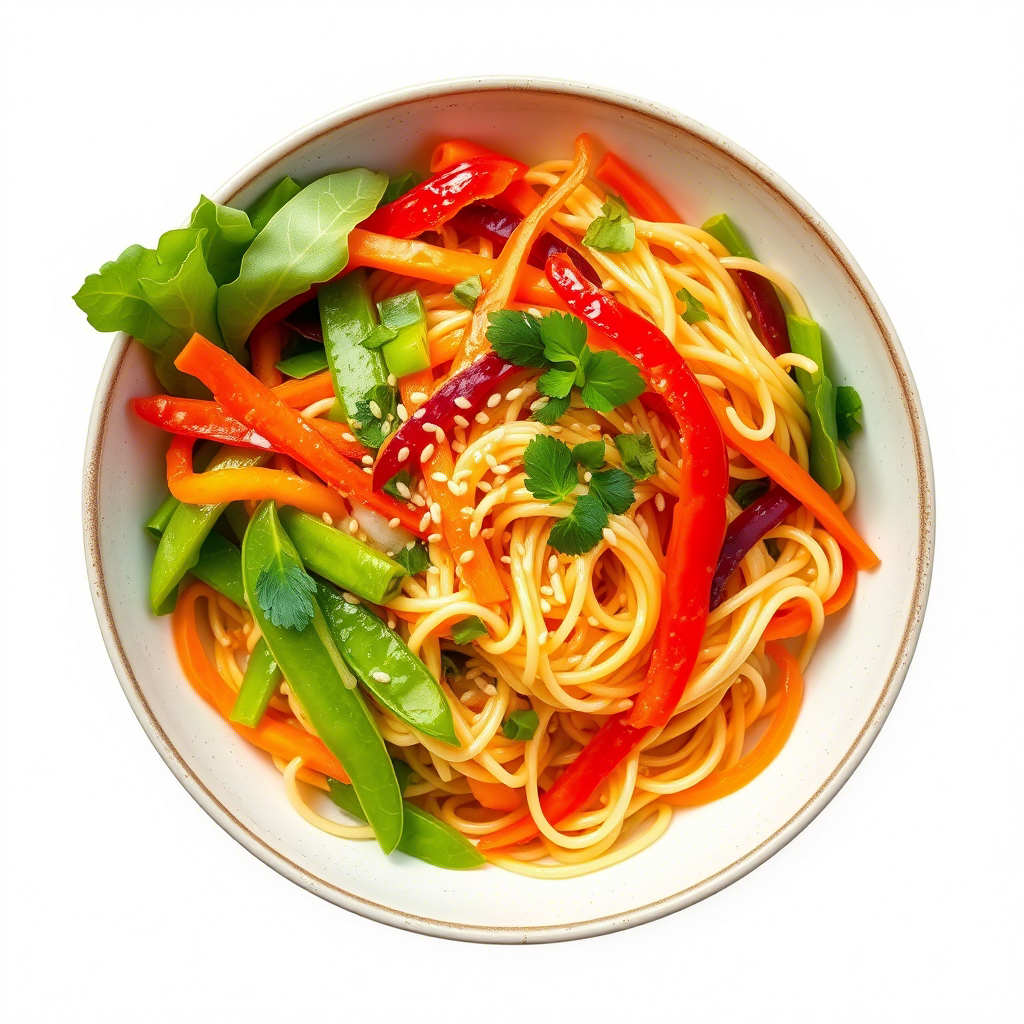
(274, 737)
(300, 393)
(768, 456)
(265, 348)
(641, 196)
(245, 398)
(257, 484)
(495, 795)
(795, 621)
(719, 784)
(471, 554)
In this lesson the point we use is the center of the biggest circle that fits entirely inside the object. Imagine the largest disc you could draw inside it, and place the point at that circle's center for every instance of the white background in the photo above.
(901, 124)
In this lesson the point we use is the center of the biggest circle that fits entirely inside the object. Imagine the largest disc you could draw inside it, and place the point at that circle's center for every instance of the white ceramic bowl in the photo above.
(855, 674)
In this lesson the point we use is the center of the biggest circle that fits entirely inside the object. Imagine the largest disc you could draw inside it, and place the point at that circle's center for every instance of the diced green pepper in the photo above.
(342, 559)
(408, 351)
(304, 364)
(423, 836)
(387, 668)
(721, 227)
(262, 677)
(805, 339)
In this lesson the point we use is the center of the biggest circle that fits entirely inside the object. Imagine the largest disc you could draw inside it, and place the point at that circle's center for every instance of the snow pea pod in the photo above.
(323, 684)
(387, 668)
(186, 530)
(261, 679)
(220, 566)
(156, 524)
(423, 836)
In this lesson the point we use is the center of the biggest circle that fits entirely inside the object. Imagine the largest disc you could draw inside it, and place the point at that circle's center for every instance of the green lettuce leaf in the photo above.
(228, 235)
(271, 201)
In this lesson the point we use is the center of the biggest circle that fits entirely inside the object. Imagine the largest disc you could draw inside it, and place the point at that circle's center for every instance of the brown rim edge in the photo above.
(724, 876)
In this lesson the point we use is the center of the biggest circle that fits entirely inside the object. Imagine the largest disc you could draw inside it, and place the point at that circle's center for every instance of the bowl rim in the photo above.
(743, 864)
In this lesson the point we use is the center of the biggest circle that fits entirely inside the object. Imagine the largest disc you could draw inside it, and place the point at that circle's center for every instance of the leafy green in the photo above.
(467, 630)
(271, 201)
(557, 383)
(613, 230)
(552, 411)
(550, 468)
(639, 458)
(849, 409)
(453, 663)
(609, 380)
(578, 532)
(403, 476)
(304, 243)
(694, 310)
(515, 335)
(589, 454)
(284, 590)
(373, 430)
(749, 491)
(564, 337)
(466, 293)
(228, 235)
(614, 489)
(413, 559)
(398, 186)
(520, 725)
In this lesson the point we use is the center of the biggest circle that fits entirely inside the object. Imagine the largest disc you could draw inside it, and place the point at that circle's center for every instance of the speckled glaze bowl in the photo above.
(855, 674)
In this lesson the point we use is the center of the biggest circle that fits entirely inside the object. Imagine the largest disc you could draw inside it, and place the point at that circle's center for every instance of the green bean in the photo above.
(262, 677)
(722, 228)
(156, 524)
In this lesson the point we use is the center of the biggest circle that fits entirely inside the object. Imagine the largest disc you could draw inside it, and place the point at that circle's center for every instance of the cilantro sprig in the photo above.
(284, 590)
(613, 230)
(639, 458)
(557, 344)
(693, 309)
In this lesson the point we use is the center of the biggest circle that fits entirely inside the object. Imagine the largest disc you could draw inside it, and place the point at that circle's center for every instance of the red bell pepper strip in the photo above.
(698, 523)
(766, 309)
(434, 202)
(645, 200)
(475, 385)
(193, 417)
(518, 196)
(245, 398)
(745, 531)
(498, 225)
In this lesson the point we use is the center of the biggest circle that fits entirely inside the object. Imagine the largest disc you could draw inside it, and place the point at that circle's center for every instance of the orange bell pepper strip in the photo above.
(265, 349)
(275, 737)
(245, 398)
(791, 621)
(642, 197)
(770, 458)
(719, 784)
(495, 796)
(300, 393)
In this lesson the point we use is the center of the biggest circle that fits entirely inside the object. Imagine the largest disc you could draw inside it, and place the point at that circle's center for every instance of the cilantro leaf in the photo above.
(551, 471)
(589, 454)
(284, 590)
(404, 477)
(749, 491)
(467, 630)
(579, 531)
(848, 412)
(552, 411)
(557, 383)
(694, 310)
(564, 337)
(453, 663)
(609, 381)
(521, 725)
(379, 337)
(515, 336)
(413, 559)
(614, 489)
(613, 230)
(639, 458)
(466, 293)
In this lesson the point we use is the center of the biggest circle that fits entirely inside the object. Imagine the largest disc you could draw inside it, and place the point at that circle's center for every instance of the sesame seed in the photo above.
(664, 443)
(419, 397)
(367, 469)
(350, 598)
(545, 606)
(588, 476)
(419, 414)
(403, 413)
(553, 563)
(439, 477)
(460, 421)
(466, 557)
(593, 620)
(543, 638)
(506, 559)
(490, 689)
(556, 429)
(394, 522)
(327, 518)
(484, 486)
(434, 570)
(467, 510)
(546, 590)
(427, 453)
(346, 436)
(439, 434)
(463, 403)
(367, 460)
(659, 501)
(490, 460)
(403, 454)
(392, 380)
(392, 622)
(381, 677)
(467, 697)
(435, 512)
(458, 447)
(493, 401)
(482, 417)
(474, 528)
(502, 470)
(403, 490)
(538, 404)
(424, 521)
(512, 395)
(375, 409)
(428, 426)
(353, 526)
(609, 536)
(455, 488)
(488, 533)
(435, 538)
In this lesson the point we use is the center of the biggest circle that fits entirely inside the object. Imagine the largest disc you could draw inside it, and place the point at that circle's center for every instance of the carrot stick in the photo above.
(495, 796)
(274, 737)
(245, 398)
(265, 348)
(719, 784)
(768, 456)
(645, 200)
(795, 619)
(300, 393)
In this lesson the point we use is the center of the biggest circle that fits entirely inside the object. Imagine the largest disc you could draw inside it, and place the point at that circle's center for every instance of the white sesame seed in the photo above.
(439, 477)
(458, 447)
(375, 409)
(659, 501)
(419, 414)
(403, 490)
(350, 598)
(466, 557)
(353, 526)
(663, 445)
(490, 689)
(533, 311)
(424, 521)
(460, 421)
(593, 620)
(474, 528)
(467, 511)
(546, 590)
(418, 500)
(367, 469)
(512, 395)
(595, 427)
(427, 453)
(392, 622)
(467, 697)
(556, 429)
(403, 454)
(392, 380)
(506, 559)
(538, 404)
(609, 536)
(484, 486)
(553, 564)
(463, 403)
(490, 460)
(543, 638)
(394, 522)
(435, 512)
(326, 517)
(502, 470)
(381, 677)
(403, 413)
(493, 401)
(367, 460)
(435, 538)
(347, 436)
(482, 417)
(545, 606)
(439, 434)
(428, 426)
(434, 570)
(588, 476)
(419, 397)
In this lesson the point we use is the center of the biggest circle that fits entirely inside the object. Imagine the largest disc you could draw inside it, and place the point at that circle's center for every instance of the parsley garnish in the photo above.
(413, 559)
(557, 343)
(284, 590)
(466, 293)
(521, 725)
(551, 472)
(749, 491)
(848, 412)
(613, 230)
(589, 455)
(639, 458)
(467, 630)
(579, 531)
(693, 310)
(614, 489)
